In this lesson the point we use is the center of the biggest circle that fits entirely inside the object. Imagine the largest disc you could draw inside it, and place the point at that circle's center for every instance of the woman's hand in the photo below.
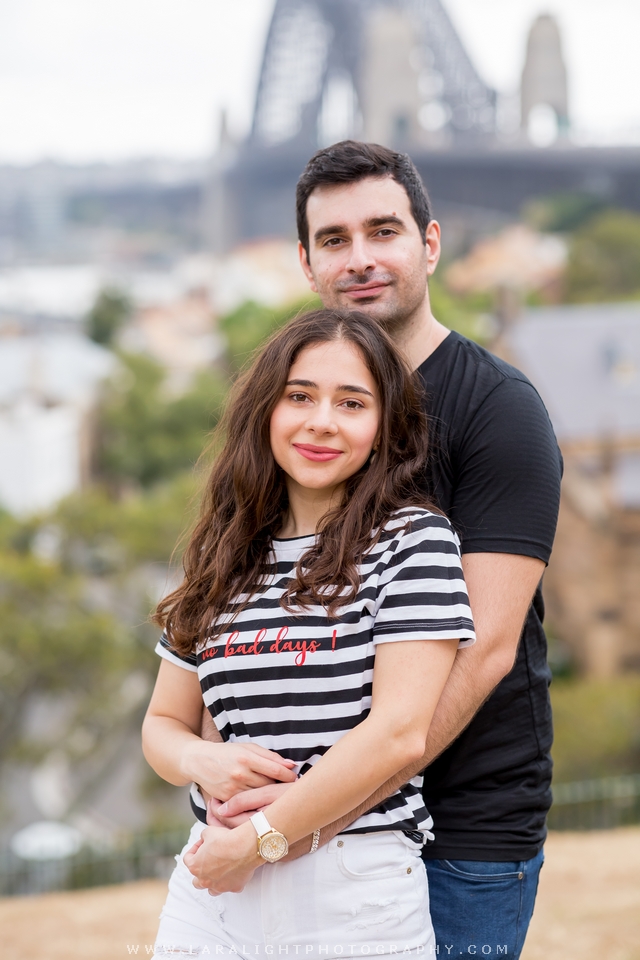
(225, 769)
(223, 861)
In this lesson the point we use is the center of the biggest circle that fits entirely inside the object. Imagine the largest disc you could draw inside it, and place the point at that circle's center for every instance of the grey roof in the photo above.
(585, 361)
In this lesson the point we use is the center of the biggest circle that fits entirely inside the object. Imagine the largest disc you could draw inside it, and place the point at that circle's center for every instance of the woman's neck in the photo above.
(306, 509)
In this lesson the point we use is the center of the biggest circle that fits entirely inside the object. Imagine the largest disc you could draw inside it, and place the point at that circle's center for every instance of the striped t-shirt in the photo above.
(296, 683)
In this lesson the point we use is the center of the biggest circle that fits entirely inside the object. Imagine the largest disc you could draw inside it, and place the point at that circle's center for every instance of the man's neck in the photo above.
(420, 337)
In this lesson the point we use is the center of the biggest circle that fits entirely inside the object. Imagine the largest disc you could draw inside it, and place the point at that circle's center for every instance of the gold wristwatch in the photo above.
(272, 845)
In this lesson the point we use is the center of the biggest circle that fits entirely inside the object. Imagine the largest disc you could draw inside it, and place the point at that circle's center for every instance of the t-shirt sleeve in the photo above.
(165, 650)
(507, 493)
(422, 594)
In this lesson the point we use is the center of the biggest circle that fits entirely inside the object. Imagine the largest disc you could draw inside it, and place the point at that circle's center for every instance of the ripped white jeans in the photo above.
(360, 895)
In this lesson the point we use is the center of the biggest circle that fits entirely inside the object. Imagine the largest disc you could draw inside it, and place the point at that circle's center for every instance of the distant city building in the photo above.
(544, 101)
(585, 361)
(179, 335)
(48, 389)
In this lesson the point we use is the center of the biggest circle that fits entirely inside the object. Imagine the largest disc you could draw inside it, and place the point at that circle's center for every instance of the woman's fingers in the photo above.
(271, 764)
(270, 754)
(251, 769)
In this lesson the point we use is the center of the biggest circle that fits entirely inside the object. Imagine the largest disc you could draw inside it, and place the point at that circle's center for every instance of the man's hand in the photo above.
(243, 805)
(223, 861)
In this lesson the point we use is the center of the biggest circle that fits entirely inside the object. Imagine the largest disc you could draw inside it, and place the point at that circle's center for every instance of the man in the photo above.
(367, 242)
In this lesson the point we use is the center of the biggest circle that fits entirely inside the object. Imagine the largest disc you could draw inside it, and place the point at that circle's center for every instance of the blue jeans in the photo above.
(482, 908)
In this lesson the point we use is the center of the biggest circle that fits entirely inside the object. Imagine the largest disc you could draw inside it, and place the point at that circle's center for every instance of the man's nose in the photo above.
(361, 258)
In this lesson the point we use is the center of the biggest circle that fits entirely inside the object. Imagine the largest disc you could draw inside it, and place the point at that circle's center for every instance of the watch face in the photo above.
(273, 847)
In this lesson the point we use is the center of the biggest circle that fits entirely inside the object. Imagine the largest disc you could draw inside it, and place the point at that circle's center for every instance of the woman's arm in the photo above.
(408, 679)
(173, 747)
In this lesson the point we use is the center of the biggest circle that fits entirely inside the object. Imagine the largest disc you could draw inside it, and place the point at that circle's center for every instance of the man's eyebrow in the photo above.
(381, 221)
(338, 228)
(329, 231)
(342, 388)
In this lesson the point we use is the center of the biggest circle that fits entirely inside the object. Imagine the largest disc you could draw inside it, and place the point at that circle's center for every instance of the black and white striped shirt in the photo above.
(296, 683)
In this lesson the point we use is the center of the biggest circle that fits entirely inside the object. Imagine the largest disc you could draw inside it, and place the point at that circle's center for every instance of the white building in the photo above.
(48, 387)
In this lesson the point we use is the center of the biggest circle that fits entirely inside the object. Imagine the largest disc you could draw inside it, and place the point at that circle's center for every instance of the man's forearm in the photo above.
(501, 587)
(467, 688)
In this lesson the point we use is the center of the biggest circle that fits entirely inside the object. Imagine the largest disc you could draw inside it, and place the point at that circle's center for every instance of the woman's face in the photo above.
(326, 422)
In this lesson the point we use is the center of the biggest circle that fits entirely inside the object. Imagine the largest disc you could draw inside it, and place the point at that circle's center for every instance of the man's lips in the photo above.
(319, 454)
(365, 291)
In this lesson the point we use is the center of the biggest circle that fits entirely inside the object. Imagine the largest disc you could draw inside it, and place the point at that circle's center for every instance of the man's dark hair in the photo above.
(350, 161)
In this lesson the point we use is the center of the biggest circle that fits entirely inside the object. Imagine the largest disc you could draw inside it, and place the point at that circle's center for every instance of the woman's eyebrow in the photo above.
(302, 383)
(342, 388)
(353, 388)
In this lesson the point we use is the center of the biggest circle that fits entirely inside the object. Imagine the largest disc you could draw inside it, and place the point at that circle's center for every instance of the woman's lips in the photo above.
(319, 454)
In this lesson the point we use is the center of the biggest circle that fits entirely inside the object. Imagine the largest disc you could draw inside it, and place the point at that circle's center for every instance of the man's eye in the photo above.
(334, 241)
(386, 232)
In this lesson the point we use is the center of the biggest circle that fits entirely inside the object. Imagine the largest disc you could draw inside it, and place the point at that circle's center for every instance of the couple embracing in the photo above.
(361, 616)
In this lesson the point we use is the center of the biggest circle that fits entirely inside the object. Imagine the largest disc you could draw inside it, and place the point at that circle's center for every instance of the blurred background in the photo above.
(149, 151)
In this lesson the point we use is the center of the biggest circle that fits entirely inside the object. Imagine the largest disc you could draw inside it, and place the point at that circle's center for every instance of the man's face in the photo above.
(366, 252)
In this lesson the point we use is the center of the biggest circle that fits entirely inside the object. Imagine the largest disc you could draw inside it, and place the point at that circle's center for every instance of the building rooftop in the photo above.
(585, 361)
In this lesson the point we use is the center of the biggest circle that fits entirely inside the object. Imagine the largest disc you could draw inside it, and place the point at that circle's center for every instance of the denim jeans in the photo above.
(482, 908)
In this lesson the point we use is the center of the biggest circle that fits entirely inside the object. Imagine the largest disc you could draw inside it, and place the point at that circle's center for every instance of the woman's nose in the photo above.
(321, 419)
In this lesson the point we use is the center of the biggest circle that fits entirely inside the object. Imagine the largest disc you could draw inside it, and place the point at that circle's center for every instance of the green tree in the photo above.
(464, 314)
(109, 313)
(604, 259)
(248, 326)
(145, 435)
(52, 641)
(563, 212)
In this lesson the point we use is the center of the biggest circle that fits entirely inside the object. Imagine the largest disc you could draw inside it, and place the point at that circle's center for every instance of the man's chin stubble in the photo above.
(392, 321)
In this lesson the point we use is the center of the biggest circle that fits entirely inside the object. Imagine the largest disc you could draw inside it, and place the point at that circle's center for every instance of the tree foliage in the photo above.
(52, 640)
(247, 327)
(563, 212)
(604, 259)
(144, 434)
(109, 313)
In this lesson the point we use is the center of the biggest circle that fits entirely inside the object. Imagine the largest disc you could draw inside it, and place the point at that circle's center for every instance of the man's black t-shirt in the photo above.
(496, 474)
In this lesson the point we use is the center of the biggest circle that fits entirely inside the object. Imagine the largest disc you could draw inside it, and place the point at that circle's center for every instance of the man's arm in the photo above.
(501, 587)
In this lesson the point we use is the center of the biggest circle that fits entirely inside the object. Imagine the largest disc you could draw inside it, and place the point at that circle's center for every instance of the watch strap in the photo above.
(261, 823)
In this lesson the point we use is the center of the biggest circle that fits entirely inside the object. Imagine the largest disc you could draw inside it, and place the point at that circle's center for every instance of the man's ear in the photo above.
(432, 240)
(306, 269)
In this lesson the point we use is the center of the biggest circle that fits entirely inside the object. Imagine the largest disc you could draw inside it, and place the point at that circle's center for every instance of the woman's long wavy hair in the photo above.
(245, 501)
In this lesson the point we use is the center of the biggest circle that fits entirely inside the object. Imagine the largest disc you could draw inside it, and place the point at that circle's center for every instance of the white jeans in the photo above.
(360, 895)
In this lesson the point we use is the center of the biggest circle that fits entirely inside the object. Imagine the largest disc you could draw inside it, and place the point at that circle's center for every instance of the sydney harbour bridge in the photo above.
(393, 72)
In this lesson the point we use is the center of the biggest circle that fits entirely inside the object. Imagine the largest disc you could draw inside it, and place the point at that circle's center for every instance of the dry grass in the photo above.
(588, 909)
(588, 906)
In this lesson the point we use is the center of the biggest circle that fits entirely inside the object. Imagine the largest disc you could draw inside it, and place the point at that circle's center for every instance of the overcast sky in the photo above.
(108, 79)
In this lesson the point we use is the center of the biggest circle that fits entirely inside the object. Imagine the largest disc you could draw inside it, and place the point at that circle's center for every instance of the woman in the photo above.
(314, 577)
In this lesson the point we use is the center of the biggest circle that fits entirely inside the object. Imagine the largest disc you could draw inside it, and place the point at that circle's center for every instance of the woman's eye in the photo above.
(298, 397)
(352, 404)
